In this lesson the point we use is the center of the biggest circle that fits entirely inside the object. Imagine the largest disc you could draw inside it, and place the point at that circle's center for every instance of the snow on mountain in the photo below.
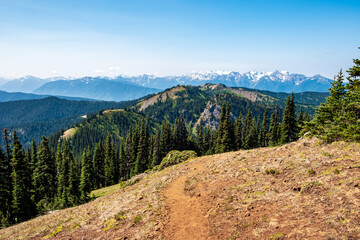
(273, 81)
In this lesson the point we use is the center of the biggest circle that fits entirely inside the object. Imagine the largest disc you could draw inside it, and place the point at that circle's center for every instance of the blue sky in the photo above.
(78, 38)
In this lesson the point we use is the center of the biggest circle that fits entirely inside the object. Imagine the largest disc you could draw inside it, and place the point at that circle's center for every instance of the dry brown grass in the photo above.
(315, 194)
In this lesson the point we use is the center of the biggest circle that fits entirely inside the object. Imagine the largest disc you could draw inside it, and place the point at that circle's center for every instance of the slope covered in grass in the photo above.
(302, 190)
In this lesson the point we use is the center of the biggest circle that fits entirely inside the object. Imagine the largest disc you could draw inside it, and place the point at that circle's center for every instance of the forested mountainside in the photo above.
(195, 104)
(204, 102)
(34, 118)
(15, 96)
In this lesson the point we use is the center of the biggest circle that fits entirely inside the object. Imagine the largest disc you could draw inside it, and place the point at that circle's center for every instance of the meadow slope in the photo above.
(302, 190)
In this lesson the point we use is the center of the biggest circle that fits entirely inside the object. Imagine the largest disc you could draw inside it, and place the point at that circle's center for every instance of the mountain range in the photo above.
(122, 88)
(277, 81)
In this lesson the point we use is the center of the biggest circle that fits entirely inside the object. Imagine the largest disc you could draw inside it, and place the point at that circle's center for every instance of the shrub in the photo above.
(175, 157)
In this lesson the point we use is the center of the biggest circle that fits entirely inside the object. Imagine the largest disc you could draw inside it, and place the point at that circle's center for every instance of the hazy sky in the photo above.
(107, 37)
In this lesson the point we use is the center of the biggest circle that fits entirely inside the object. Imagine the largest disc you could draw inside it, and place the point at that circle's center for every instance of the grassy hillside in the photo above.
(302, 190)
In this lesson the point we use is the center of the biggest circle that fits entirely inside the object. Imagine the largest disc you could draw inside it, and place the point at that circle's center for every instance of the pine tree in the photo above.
(238, 132)
(99, 166)
(228, 135)
(133, 147)
(85, 179)
(274, 129)
(331, 118)
(23, 208)
(251, 139)
(6, 186)
(220, 130)
(300, 119)
(62, 176)
(263, 136)
(200, 139)
(109, 162)
(44, 176)
(143, 154)
(5, 190)
(306, 116)
(123, 163)
(73, 193)
(288, 126)
(165, 140)
(156, 152)
(180, 134)
(247, 125)
(34, 157)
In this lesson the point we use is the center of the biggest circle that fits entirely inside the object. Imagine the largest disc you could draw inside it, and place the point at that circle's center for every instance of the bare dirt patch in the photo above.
(186, 211)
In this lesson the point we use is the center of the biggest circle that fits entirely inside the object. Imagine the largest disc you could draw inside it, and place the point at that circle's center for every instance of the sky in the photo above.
(171, 37)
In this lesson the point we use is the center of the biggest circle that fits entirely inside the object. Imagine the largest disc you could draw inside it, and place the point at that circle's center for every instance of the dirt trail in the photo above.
(187, 218)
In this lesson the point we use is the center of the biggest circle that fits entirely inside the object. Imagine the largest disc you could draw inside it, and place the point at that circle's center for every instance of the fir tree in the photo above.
(73, 193)
(288, 126)
(300, 119)
(238, 132)
(219, 132)
(99, 166)
(109, 162)
(165, 139)
(251, 139)
(23, 208)
(123, 163)
(263, 136)
(200, 139)
(62, 177)
(44, 176)
(228, 135)
(34, 157)
(274, 129)
(156, 152)
(339, 117)
(306, 116)
(142, 155)
(5, 190)
(180, 134)
(85, 179)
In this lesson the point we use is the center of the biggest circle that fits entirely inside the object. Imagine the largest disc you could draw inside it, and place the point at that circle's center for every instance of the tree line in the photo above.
(43, 178)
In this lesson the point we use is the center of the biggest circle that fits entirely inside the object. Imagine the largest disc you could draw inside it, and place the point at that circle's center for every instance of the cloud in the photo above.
(98, 71)
(115, 68)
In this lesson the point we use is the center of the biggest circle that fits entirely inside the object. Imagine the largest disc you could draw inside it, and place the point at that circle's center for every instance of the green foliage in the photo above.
(85, 179)
(44, 176)
(99, 166)
(339, 117)
(5, 188)
(289, 125)
(22, 205)
(110, 162)
(175, 157)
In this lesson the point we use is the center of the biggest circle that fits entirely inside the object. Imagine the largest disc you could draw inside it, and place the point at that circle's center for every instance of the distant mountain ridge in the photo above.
(16, 96)
(121, 88)
(277, 81)
(99, 88)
